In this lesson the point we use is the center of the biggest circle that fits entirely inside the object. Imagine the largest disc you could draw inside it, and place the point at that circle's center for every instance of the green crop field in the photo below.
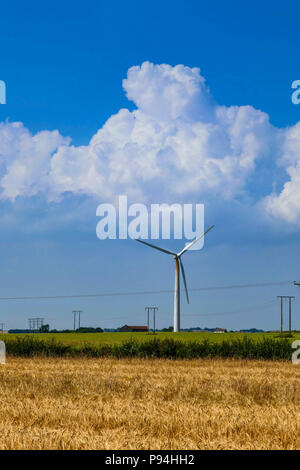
(162, 344)
(113, 338)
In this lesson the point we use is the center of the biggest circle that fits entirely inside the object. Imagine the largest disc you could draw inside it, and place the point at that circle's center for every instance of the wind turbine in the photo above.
(178, 267)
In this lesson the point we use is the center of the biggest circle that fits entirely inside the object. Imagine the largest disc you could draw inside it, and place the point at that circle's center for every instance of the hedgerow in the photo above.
(265, 348)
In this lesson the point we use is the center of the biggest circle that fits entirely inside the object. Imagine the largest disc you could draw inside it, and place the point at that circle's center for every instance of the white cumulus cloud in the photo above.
(25, 159)
(177, 143)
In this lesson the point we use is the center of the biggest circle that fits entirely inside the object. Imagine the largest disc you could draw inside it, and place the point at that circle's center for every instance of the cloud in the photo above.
(177, 144)
(25, 159)
(166, 93)
(286, 204)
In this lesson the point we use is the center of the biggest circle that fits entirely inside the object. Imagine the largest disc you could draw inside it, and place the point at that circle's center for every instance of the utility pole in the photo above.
(281, 311)
(35, 324)
(281, 297)
(2, 327)
(297, 283)
(147, 309)
(152, 309)
(75, 313)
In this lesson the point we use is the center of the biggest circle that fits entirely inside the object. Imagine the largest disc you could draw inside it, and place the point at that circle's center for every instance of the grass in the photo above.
(149, 404)
(114, 338)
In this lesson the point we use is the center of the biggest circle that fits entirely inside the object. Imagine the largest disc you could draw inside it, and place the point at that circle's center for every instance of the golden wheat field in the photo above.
(149, 404)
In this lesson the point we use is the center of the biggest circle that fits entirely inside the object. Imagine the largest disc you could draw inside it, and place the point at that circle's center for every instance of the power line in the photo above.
(236, 311)
(166, 291)
(264, 305)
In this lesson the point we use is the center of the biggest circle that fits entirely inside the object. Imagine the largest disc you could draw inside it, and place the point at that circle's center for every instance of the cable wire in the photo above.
(236, 311)
(166, 291)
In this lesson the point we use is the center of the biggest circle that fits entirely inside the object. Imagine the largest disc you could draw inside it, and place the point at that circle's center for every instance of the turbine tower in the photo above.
(178, 267)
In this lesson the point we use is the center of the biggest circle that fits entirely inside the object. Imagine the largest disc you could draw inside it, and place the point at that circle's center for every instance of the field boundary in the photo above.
(168, 348)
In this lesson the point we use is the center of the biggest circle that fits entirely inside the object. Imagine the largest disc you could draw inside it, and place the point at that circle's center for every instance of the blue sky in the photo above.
(63, 68)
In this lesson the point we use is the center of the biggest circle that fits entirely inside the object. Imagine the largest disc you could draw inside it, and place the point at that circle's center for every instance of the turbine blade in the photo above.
(187, 247)
(156, 247)
(184, 280)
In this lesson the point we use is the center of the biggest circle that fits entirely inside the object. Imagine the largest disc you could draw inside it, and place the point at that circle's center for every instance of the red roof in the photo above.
(138, 327)
(144, 328)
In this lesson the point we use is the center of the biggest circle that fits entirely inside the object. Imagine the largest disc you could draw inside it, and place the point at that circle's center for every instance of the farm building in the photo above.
(134, 328)
(220, 330)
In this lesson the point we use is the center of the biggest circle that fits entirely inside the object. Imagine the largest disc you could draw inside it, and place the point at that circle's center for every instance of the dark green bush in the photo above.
(266, 348)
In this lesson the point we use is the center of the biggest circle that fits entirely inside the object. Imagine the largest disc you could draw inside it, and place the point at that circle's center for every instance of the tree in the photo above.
(168, 329)
(44, 329)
